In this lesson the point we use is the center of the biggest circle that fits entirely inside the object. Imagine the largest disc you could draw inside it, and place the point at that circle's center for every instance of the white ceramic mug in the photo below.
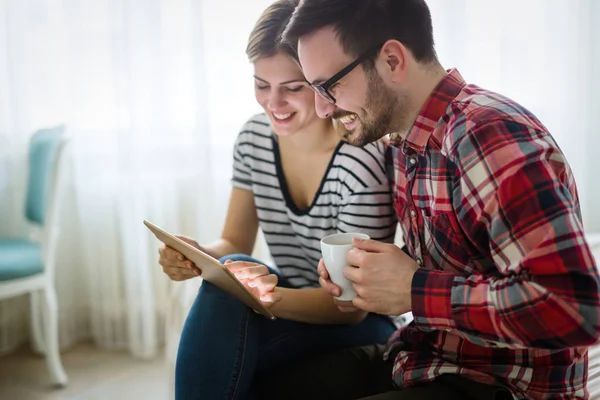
(334, 249)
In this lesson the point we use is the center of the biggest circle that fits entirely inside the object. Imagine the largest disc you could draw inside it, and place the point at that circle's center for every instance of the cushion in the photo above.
(19, 258)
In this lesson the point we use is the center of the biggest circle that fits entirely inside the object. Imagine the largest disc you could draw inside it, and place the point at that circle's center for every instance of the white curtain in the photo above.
(545, 54)
(153, 93)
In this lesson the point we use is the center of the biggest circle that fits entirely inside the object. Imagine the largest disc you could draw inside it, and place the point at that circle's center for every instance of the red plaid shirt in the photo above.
(508, 292)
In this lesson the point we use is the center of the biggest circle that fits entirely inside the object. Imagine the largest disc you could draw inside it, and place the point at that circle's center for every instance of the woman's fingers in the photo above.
(170, 258)
(170, 254)
(271, 297)
(189, 241)
(247, 270)
(264, 283)
(184, 272)
(258, 278)
(181, 274)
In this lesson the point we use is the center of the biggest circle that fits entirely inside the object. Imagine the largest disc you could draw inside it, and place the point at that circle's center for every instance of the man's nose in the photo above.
(323, 107)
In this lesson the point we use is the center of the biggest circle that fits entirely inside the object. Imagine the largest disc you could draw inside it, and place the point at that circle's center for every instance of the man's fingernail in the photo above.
(336, 292)
(180, 258)
(358, 240)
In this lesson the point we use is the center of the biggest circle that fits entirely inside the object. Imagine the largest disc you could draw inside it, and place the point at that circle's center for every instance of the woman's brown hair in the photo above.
(265, 38)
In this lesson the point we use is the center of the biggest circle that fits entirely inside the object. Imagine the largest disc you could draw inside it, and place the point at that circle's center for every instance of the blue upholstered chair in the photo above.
(27, 264)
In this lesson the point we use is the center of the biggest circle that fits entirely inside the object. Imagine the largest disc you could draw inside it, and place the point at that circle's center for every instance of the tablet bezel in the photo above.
(212, 270)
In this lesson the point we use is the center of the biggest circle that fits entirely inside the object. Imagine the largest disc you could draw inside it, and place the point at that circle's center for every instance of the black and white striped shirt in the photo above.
(354, 196)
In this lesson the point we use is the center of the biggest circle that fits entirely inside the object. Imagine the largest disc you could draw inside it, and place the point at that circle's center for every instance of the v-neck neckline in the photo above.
(291, 205)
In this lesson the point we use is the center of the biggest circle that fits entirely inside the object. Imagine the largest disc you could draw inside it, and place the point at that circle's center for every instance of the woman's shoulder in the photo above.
(256, 131)
(257, 125)
(371, 155)
(362, 167)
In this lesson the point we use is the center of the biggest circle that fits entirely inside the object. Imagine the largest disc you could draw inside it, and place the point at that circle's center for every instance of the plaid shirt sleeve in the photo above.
(514, 195)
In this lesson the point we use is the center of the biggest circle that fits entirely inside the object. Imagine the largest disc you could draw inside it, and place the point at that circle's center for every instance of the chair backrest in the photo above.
(44, 149)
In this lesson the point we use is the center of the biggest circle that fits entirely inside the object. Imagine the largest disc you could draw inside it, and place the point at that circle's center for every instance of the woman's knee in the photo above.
(209, 292)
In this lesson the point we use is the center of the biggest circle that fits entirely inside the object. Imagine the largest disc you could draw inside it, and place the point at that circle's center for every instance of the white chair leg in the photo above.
(57, 373)
(35, 303)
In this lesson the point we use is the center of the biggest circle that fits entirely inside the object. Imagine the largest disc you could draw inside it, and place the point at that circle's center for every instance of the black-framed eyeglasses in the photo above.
(323, 88)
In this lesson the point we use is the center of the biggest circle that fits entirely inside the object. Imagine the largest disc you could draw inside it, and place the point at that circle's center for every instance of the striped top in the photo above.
(354, 196)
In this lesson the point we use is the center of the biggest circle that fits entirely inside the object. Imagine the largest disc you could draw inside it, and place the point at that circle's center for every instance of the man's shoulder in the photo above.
(481, 114)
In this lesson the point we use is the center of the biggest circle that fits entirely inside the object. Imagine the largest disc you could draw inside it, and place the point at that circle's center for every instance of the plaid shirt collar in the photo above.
(433, 110)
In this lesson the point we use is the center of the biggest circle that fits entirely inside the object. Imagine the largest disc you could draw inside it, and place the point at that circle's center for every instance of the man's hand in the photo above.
(332, 289)
(175, 264)
(257, 279)
(381, 275)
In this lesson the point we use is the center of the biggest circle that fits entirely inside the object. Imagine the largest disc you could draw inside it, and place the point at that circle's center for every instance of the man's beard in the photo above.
(383, 104)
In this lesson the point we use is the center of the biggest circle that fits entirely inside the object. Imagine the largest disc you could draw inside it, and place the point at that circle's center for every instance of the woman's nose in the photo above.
(276, 100)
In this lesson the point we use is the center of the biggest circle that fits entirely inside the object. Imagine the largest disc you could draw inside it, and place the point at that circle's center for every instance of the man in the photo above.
(501, 282)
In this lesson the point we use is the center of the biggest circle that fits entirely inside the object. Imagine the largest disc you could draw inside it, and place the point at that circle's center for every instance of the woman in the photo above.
(299, 182)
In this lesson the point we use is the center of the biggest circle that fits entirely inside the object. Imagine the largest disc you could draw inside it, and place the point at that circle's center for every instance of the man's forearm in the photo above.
(514, 311)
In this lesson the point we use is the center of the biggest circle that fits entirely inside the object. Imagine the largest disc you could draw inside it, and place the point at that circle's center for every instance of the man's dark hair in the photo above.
(362, 24)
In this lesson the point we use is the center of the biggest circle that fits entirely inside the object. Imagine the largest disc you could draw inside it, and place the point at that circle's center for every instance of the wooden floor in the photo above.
(93, 375)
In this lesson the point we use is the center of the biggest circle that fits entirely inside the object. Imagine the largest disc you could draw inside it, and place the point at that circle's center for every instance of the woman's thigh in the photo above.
(282, 341)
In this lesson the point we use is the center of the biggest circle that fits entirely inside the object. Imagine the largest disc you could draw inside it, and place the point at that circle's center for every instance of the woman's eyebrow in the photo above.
(282, 83)
(293, 81)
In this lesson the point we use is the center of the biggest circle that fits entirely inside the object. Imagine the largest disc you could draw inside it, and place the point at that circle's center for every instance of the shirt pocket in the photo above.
(442, 243)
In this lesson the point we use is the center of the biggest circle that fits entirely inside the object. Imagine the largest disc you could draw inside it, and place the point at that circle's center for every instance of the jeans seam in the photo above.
(238, 370)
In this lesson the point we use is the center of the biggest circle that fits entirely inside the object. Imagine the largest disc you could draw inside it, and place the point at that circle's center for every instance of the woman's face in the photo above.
(283, 93)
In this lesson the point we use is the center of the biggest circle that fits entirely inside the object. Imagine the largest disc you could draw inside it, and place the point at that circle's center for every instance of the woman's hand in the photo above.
(257, 279)
(175, 264)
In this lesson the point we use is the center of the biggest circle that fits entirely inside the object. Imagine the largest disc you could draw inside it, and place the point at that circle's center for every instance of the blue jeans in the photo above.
(225, 344)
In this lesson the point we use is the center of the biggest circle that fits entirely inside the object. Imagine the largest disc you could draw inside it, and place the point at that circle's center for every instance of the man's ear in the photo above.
(394, 60)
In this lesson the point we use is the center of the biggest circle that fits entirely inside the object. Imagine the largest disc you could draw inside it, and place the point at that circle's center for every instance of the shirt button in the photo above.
(419, 261)
(413, 213)
(412, 160)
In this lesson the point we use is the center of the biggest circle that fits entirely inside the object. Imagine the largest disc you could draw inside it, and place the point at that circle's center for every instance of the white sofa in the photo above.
(594, 353)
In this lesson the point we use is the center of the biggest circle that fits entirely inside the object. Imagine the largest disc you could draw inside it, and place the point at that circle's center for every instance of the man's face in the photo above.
(364, 103)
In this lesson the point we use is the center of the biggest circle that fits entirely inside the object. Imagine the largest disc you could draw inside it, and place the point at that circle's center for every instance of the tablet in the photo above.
(212, 270)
